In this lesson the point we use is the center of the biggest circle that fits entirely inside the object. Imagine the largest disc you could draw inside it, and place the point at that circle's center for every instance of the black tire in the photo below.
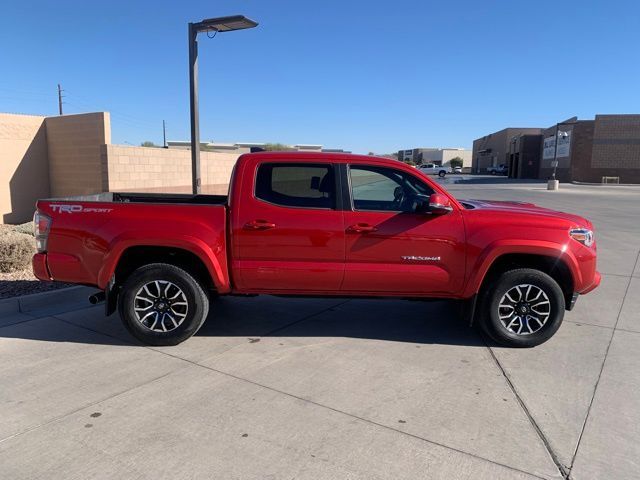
(510, 282)
(195, 312)
(442, 173)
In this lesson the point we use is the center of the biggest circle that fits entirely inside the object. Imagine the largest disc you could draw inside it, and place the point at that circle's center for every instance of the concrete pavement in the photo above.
(325, 388)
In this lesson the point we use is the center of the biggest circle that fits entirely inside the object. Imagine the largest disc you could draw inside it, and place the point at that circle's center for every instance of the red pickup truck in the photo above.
(318, 224)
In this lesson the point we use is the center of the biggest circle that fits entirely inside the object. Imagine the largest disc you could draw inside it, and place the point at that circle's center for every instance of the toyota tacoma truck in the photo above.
(318, 224)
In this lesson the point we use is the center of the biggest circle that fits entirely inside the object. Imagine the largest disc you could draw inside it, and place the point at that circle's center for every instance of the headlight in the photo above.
(583, 235)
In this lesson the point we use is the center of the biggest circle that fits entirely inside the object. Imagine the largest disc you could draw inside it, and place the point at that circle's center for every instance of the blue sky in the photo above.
(360, 75)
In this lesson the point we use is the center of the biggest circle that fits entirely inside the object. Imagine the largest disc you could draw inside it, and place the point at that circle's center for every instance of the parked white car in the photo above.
(433, 169)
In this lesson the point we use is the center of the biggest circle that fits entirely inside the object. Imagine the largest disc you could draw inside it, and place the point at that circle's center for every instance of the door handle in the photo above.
(259, 225)
(361, 228)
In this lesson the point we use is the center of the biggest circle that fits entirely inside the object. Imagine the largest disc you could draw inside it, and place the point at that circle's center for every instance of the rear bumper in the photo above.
(40, 267)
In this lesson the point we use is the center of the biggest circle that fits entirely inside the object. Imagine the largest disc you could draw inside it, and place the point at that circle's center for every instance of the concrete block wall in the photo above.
(144, 169)
(24, 171)
(74, 146)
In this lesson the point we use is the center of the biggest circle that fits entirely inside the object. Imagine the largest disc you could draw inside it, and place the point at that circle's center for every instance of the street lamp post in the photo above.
(553, 184)
(555, 153)
(216, 25)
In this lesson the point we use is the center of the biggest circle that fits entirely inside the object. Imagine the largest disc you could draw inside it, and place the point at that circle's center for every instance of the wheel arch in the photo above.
(556, 266)
(137, 256)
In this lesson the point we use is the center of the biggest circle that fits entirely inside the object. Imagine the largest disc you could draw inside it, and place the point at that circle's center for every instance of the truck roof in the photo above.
(316, 156)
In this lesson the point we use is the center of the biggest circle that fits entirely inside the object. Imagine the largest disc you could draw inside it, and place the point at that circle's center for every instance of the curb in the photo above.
(606, 184)
(48, 303)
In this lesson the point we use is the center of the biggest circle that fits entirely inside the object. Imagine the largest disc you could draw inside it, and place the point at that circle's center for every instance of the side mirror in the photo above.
(439, 204)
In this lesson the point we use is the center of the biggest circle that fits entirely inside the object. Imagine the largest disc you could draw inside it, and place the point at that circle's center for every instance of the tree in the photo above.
(147, 143)
(276, 147)
(456, 162)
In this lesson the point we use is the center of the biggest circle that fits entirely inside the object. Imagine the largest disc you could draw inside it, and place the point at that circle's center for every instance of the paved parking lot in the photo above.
(325, 388)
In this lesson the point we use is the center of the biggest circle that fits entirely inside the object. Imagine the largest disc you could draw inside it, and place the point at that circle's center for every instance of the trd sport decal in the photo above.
(78, 209)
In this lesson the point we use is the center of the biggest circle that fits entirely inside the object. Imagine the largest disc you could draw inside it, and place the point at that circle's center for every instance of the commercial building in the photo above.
(605, 149)
(439, 156)
(496, 148)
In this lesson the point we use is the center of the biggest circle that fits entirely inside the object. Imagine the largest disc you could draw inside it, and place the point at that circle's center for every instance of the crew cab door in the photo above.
(288, 233)
(392, 246)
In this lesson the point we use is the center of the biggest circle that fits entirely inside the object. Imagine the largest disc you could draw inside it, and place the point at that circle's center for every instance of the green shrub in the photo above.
(456, 162)
(16, 250)
(26, 228)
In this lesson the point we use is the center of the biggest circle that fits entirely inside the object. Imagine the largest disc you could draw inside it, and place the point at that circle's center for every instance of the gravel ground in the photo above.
(22, 282)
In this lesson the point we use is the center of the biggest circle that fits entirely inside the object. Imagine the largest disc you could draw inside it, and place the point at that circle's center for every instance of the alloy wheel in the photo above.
(524, 309)
(160, 306)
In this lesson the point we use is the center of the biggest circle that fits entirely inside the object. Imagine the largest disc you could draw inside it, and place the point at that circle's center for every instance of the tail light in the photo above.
(41, 227)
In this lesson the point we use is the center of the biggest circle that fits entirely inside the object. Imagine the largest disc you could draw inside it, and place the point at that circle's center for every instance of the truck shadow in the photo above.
(415, 322)
(434, 322)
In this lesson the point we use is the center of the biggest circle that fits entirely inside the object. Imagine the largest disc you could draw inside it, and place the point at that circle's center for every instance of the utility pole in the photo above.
(164, 135)
(60, 99)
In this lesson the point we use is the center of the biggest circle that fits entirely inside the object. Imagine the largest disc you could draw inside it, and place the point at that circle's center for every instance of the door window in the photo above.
(386, 189)
(301, 185)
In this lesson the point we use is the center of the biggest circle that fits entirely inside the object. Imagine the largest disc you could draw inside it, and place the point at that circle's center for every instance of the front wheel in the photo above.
(161, 304)
(522, 308)
(442, 173)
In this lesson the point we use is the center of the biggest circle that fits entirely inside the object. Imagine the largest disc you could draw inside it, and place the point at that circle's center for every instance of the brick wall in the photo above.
(143, 169)
(616, 142)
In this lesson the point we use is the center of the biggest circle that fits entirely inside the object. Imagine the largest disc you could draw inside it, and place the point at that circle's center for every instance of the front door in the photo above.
(394, 247)
(288, 235)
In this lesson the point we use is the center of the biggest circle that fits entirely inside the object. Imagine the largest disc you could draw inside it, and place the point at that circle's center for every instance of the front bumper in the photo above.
(596, 281)
(574, 297)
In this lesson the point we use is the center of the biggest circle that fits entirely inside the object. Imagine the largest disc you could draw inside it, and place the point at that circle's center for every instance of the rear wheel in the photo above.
(161, 304)
(522, 308)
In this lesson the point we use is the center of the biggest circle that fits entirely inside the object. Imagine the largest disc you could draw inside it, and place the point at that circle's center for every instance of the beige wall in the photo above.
(70, 155)
(24, 174)
(74, 144)
(465, 155)
(143, 169)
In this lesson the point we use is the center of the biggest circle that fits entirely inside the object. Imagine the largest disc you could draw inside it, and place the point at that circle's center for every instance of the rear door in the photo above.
(288, 231)
(391, 247)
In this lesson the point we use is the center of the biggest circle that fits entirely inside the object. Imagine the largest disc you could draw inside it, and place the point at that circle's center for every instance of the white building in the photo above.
(439, 156)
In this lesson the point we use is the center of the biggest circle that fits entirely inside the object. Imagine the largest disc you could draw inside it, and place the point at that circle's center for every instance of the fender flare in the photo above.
(499, 248)
(183, 242)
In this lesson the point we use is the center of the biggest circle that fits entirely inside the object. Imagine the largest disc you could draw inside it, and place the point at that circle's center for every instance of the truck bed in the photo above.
(89, 234)
(163, 198)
